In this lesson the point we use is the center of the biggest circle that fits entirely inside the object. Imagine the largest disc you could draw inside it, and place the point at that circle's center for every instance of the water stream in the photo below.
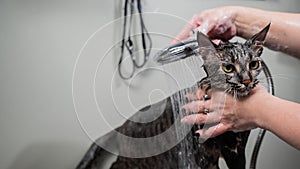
(186, 73)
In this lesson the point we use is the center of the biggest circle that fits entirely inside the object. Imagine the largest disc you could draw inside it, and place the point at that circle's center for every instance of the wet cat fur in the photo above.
(238, 79)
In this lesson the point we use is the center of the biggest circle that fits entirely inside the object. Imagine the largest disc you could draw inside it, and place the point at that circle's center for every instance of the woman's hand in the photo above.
(217, 23)
(259, 109)
(226, 113)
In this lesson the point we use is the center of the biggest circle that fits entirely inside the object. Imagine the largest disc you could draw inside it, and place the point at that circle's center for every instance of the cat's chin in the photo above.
(241, 92)
(244, 91)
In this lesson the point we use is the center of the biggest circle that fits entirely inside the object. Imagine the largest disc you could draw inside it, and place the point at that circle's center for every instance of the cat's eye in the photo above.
(253, 65)
(228, 68)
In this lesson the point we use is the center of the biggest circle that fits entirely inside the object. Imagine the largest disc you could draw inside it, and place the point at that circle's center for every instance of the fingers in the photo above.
(213, 131)
(198, 95)
(206, 26)
(199, 101)
(194, 106)
(194, 22)
(194, 119)
(209, 118)
(191, 96)
(199, 104)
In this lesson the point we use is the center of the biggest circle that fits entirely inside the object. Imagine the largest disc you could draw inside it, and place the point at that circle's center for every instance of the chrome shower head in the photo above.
(178, 51)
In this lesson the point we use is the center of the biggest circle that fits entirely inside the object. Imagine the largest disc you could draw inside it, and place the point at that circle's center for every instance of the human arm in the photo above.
(282, 118)
(259, 109)
(229, 21)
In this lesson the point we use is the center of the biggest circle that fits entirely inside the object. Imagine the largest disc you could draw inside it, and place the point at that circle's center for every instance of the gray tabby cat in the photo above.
(236, 64)
(231, 67)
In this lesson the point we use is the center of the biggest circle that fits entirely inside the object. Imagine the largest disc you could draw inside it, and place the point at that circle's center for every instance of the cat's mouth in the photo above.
(242, 89)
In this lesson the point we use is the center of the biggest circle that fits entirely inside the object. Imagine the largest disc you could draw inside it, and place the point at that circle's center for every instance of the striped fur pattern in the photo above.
(236, 64)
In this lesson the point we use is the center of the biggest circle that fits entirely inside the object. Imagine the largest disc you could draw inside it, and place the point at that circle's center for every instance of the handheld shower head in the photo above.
(178, 51)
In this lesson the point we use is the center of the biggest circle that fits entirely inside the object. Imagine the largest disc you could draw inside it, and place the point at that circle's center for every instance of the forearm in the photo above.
(284, 32)
(281, 117)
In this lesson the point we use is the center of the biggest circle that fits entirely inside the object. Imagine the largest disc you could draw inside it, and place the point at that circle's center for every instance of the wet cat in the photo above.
(231, 67)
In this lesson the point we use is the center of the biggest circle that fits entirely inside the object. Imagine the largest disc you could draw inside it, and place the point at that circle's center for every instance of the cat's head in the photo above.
(233, 66)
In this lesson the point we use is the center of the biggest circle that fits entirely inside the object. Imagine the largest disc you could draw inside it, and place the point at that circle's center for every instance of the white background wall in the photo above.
(40, 42)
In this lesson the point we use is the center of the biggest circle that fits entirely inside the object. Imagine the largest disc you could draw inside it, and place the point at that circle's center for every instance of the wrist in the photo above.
(257, 106)
(249, 21)
(264, 110)
(241, 22)
(238, 16)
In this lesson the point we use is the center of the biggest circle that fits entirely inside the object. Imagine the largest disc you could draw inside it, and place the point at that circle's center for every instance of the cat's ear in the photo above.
(206, 46)
(256, 41)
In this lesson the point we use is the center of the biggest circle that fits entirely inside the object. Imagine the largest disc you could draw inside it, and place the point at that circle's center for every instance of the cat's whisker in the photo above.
(267, 78)
(284, 75)
(235, 97)
(267, 84)
(227, 90)
(279, 76)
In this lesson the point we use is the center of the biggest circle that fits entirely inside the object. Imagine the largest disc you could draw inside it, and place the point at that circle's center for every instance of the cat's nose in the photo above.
(246, 82)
